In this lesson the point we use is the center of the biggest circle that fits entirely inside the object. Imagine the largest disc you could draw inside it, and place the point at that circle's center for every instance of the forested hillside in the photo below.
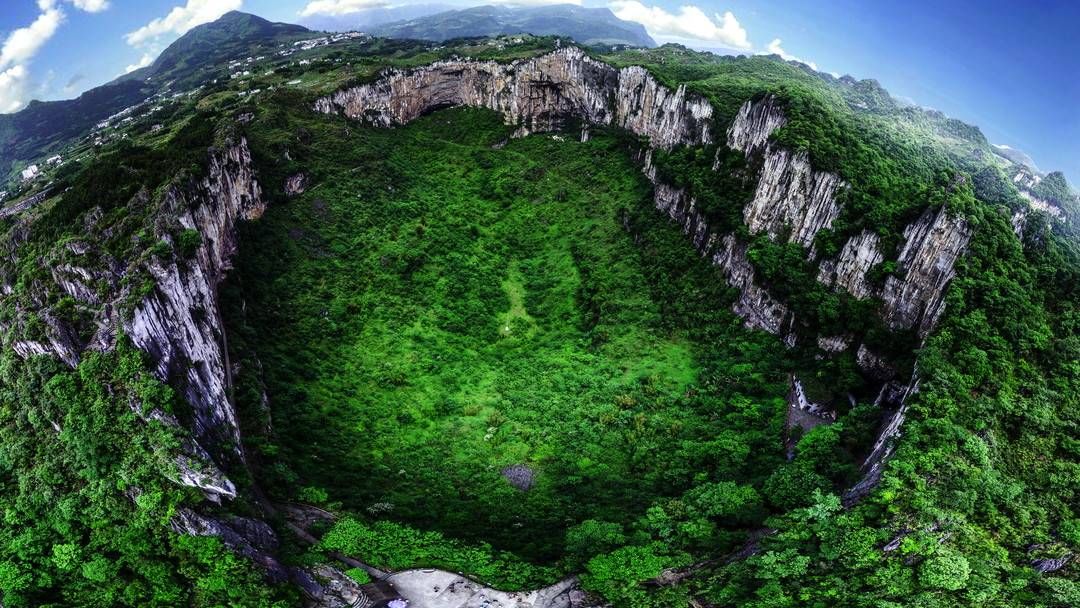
(654, 326)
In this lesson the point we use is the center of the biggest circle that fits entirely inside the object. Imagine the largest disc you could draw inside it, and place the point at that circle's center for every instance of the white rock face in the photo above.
(754, 124)
(440, 589)
(179, 324)
(1025, 178)
(874, 364)
(848, 270)
(75, 281)
(790, 195)
(834, 344)
(1044, 206)
(755, 305)
(247, 537)
(931, 247)
(61, 342)
(1018, 220)
(537, 94)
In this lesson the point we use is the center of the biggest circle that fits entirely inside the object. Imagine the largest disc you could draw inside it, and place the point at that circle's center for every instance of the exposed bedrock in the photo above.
(932, 244)
(537, 94)
(791, 197)
(179, 324)
(848, 271)
(753, 125)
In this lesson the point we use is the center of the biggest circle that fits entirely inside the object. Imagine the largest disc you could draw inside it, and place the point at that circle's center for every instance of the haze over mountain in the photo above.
(364, 20)
(189, 61)
(588, 26)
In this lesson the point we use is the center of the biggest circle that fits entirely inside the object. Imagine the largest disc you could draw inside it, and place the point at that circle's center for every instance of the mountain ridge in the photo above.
(587, 26)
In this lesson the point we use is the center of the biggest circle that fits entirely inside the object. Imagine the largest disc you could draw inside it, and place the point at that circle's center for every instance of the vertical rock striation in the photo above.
(848, 271)
(537, 95)
(754, 124)
(179, 323)
(791, 197)
(931, 247)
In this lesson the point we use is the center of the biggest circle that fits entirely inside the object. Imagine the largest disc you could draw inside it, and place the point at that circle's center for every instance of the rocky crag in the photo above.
(165, 303)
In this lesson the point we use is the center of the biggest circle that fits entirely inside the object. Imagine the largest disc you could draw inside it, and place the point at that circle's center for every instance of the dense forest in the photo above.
(493, 355)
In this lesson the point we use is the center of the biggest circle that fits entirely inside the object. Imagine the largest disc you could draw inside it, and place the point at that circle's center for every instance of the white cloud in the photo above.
(91, 6)
(181, 19)
(19, 48)
(689, 23)
(144, 61)
(22, 44)
(535, 2)
(13, 88)
(774, 48)
(336, 8)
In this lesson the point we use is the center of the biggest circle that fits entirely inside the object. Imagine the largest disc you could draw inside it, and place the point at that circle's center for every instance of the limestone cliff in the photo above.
(179, 323)
(536, 95)
(791, 197)
(926, 262)
(848, 272)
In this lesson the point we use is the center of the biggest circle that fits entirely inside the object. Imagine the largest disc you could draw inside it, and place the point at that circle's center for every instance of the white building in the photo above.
(30, 173)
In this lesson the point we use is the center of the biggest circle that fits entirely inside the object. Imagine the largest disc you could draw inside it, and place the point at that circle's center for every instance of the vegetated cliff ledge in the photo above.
(165, 301)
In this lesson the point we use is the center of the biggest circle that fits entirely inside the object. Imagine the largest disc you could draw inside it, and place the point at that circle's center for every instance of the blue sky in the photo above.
(1012, 68)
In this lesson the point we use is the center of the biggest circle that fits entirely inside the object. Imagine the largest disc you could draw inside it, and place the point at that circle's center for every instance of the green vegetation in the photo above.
(492, 355)
(447, 310)
(393, 546)
(84, 501)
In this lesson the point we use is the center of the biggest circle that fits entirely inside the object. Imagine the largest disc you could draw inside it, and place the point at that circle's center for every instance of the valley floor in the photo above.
(458, 331)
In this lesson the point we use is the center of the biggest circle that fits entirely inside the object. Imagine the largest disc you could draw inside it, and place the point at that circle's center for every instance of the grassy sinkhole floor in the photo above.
(459, 332)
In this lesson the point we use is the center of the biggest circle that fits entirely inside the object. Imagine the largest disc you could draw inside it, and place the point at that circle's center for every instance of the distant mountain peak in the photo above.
(217, 40)
(1017, 156)
(587, 26)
